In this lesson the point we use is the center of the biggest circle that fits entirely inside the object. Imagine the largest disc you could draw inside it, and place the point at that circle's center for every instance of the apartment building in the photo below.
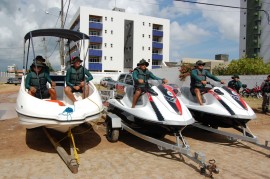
(119, 40)
(255, 29)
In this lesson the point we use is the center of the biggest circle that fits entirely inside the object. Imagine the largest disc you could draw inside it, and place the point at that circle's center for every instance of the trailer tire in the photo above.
(112, 134)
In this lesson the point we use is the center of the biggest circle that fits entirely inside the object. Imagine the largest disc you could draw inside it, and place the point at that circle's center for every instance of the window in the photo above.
(142, 47)
(149, 36)
(149, 24)
(111, 58)
(111, 31)
(105, 57)
(121, 78)
(142, 35)
(149, 48)
(105, 18)
(105, 31)
(112, 19)
(143, 23)
(112, 45)
(105, 44)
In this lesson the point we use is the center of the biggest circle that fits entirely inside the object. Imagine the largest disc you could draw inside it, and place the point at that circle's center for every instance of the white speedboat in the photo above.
(60, 114)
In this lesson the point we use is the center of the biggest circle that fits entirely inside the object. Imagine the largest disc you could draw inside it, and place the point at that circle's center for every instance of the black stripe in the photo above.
(235, 97)
(227, 107)
(159, 115)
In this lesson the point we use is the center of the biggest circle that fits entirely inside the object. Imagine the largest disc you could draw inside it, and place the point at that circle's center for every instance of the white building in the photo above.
(254, 29)
(119, 40)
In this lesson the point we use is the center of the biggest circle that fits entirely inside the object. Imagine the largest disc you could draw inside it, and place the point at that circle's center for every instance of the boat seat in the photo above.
(128, 98)
(185, 91)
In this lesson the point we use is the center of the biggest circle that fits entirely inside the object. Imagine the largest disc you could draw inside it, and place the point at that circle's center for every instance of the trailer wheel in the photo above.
(112, 134)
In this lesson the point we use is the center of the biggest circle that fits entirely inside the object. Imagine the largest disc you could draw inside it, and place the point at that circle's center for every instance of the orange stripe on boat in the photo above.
(60, 103)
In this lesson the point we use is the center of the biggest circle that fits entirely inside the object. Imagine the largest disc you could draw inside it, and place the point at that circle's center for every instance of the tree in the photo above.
(185, 70)
(244, 66)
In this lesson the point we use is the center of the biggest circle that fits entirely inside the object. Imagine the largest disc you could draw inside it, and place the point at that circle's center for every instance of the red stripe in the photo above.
(177, 102)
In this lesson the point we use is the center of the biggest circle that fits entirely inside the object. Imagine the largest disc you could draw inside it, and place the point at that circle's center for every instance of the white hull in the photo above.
(164, 115)
(34, 112)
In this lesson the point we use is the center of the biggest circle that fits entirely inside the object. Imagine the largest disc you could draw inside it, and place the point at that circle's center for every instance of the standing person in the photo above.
(265, 86)
(75, 79)
(235, 84)
(36, 82)
(198, 80)
(141, 75)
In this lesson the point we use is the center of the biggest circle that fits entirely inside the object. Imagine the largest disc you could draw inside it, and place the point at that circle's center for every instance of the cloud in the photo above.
(226, 20)
(185, 36)
(191, 25)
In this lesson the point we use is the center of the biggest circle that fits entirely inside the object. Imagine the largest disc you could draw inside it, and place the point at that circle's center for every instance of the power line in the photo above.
(226, 6)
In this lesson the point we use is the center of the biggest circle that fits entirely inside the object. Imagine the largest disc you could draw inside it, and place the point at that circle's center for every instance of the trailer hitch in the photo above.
(211, 167)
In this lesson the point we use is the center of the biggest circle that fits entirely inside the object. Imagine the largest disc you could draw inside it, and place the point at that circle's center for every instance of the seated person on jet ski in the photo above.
(235, 84)
(141, 75)
(75, 79)
(36, 82)
(198, 80)
(265, 86)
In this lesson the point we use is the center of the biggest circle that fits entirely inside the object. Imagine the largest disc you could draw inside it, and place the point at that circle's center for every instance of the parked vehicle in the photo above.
(256, 91)
(14, 80)
(124, 80)
(246, 92)
(108, 82)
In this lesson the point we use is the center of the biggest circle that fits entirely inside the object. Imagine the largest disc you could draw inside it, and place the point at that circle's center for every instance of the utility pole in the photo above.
(62, 40)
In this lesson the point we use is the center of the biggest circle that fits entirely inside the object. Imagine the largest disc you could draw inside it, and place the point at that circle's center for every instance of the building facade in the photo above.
(119, 40)
(254, 29)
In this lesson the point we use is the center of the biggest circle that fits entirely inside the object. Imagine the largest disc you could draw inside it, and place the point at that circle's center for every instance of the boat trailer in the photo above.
(247, 135)
(72, 160)
(114, 124)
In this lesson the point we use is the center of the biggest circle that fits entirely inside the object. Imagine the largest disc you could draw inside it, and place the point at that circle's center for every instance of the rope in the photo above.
(75, 149)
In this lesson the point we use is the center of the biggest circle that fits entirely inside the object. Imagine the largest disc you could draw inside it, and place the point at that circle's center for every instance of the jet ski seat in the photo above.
(128, 98)
(185, 91)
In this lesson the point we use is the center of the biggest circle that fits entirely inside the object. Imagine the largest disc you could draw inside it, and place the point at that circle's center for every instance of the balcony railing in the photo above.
(156, 66)
(95, 39)
(157, 33)
(157, 45)
(95, 25)
(95, 52)
(157, 57)
(95, 66)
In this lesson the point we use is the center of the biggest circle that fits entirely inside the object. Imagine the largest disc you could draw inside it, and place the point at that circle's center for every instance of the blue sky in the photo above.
(197, 31)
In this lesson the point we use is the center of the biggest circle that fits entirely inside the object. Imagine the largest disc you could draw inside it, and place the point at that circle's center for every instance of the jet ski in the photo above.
(159, 111)
(222, 107)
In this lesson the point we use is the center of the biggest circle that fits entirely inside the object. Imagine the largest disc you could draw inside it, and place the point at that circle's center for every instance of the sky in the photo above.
(196, 31)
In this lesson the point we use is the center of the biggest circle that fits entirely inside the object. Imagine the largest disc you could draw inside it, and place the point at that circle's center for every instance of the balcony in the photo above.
(157, 45)
(158, 57)
(95, 25)
(95, 52)
(156, 66)
(157, 33)
(95, 66)
(95, 39)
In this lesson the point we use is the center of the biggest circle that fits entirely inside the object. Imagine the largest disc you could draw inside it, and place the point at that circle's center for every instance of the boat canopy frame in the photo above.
(67, 34)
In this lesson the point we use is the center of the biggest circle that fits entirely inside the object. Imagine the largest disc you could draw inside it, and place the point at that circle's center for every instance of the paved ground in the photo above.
(29, 154)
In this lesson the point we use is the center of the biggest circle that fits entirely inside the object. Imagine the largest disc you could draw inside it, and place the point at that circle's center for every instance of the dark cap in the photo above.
(199, 62)
(39, 58)
(235, 76)
(143, 62)
(37, 64)
(74, 59)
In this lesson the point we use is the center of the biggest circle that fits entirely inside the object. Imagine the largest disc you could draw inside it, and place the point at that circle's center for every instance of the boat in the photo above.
(158, 112)
(222, 107)
(61, 114)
